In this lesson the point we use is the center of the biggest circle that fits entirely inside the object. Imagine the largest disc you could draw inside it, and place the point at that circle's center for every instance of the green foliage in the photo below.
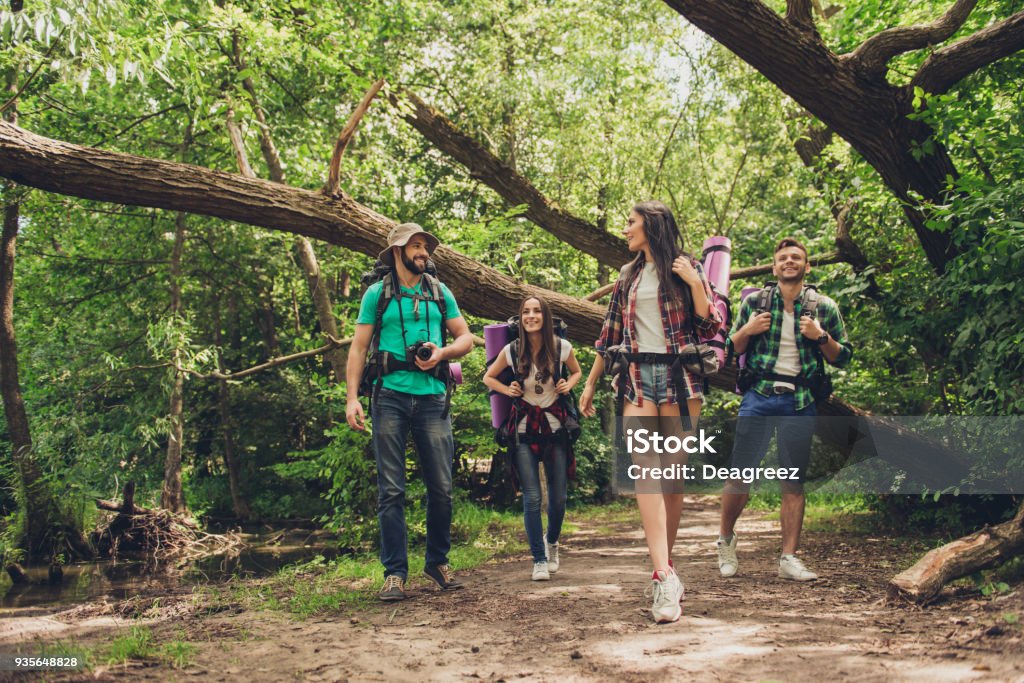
(599, 104)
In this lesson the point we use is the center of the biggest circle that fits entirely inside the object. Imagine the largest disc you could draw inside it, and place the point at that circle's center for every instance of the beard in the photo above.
(416, 267)
(791, 279)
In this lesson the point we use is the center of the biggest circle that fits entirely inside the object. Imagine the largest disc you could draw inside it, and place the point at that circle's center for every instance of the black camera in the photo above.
(418, 350)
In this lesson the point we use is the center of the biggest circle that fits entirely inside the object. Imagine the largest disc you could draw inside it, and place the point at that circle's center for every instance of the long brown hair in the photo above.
(547, 354)
(666, 244)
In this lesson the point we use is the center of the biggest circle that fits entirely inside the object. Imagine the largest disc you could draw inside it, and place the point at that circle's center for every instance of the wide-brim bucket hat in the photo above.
(400, 236)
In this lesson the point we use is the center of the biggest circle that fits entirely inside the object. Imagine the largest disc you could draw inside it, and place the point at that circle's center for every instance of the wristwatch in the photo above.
(823, 339)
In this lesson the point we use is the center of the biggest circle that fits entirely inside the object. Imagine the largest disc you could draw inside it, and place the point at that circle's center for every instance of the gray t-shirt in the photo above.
(650, 330)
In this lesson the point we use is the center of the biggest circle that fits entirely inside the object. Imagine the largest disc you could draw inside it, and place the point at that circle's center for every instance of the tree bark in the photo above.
(172, 497)
(990, 546)
(852, 96)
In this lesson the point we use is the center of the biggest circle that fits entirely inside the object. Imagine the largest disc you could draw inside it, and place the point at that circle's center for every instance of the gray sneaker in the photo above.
(541, 571)
(551, 549)
(790, 567)
(393, 589)
(728, 565)
(667, 591)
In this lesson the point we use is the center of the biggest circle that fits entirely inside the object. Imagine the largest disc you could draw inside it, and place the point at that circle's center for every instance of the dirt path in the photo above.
(591, 623)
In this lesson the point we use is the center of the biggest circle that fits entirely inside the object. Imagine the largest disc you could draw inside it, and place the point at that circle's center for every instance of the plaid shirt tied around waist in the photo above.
(620, 328)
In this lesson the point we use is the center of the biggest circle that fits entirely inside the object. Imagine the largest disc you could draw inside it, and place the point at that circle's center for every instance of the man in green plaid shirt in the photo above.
(786, 349)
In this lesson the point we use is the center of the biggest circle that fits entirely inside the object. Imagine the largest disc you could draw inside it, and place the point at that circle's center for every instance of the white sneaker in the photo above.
(667, 592)
(728, 565)
(551, 550)
(540, 571)
(790, 567)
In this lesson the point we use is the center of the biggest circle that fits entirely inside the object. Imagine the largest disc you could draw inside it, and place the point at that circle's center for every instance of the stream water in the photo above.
(265, 552)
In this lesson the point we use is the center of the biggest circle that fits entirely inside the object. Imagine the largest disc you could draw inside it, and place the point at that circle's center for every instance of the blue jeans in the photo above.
(759, 417)
(528, 469)
(394, 414)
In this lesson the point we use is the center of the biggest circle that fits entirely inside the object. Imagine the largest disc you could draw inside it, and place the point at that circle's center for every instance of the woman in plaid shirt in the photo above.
(659, 301)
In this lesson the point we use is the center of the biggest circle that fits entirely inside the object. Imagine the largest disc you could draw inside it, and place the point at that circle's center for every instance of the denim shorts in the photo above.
(762, 416)
(654, 378)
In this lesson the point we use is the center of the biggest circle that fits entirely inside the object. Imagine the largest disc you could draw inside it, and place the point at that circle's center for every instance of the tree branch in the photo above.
(238, 145)
(948, 66)
(137, 121)
(334, 170)
(272, 363)
(874, 53)
(31, 77)
(798, 13)
(483, 165)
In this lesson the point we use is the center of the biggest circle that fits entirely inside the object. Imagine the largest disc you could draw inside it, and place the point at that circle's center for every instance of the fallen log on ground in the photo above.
(980, 550)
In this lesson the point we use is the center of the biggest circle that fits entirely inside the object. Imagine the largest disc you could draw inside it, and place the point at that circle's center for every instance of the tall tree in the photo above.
(852, 95)
(46, 528)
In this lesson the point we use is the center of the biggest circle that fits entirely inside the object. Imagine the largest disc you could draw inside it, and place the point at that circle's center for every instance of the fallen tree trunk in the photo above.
(982, 549)
(90, 173)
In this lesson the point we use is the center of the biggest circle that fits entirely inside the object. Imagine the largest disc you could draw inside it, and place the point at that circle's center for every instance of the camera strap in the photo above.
(417, 297)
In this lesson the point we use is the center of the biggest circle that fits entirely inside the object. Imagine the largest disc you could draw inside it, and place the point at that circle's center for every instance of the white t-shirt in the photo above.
(548, 394)
(788, 362)
(650, 330)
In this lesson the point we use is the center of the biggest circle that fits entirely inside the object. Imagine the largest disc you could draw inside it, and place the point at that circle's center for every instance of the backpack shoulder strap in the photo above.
(387, 293)
(558, 360)
(436, 294)
(764, 297)
(809, 299)
(513, 350)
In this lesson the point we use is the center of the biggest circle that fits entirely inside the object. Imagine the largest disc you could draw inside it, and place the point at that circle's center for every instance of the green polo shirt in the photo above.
(422, 325)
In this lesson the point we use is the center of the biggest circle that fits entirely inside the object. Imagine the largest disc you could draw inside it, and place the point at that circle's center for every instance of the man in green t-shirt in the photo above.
(410, 399)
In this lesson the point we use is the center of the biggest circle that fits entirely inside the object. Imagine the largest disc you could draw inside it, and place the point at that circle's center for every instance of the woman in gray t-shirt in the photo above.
(538, 416)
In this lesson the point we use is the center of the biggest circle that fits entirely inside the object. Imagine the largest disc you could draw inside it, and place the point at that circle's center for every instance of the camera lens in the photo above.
(424, 352)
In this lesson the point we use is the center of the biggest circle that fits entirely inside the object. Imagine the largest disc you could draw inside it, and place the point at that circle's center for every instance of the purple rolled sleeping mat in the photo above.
(495, 339)
(455, 368)
(717, 258)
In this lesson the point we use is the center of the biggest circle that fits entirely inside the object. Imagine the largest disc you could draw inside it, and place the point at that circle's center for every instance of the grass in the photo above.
(137, 643)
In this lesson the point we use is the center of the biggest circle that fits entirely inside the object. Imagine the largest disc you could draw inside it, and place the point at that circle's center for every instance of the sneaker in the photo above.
(790, 567)
(551, 550)
(441, 574)
(667, 591)
(541, 571)
(728, 565)
(393, 589)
